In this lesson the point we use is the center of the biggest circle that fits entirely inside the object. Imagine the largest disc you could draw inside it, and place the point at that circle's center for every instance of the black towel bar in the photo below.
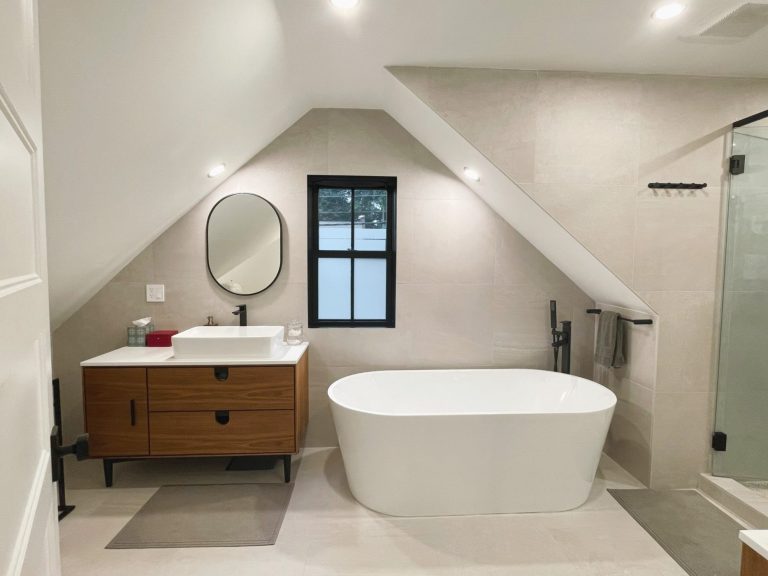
(641, 321)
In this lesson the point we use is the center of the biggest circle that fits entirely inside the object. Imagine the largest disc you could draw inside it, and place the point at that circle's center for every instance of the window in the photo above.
(351, 249)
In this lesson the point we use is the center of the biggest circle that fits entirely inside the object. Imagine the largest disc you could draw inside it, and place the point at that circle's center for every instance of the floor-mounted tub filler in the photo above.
(448, 442)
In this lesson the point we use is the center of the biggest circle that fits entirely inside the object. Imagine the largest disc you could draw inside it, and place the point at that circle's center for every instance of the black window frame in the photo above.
(314, 183)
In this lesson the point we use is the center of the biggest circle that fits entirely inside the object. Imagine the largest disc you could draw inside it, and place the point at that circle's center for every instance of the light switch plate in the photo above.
(155, 292)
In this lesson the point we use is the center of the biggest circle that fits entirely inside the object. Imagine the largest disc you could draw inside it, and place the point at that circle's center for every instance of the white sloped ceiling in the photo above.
(140, 98)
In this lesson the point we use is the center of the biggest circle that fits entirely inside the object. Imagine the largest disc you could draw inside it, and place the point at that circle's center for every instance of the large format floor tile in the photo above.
(327, 532)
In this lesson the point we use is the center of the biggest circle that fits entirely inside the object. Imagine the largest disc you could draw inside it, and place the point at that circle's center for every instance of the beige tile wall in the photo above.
(470, 291)
(585, 146)
(630, 437)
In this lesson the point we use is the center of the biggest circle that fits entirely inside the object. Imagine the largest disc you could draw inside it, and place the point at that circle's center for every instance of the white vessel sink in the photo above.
(228, 342)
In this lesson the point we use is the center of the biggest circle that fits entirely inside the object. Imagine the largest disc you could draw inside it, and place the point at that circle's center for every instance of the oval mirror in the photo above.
(244, 244)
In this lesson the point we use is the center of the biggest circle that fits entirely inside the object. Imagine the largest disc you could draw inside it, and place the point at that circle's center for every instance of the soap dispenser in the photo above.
(211, 322)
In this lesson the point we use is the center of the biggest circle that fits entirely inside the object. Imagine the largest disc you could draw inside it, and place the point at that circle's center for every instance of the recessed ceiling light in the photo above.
(472, 174)
(668, 11)
(345, 3)
(216, 170)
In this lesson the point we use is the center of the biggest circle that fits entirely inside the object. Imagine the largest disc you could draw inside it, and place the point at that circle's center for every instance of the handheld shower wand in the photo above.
(553, 314)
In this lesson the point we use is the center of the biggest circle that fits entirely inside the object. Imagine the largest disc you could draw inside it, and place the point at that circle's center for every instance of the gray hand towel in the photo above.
(609, 349)
(618, 354)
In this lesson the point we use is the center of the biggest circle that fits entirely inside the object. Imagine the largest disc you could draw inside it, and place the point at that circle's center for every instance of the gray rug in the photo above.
(698, 535)
(208, 515)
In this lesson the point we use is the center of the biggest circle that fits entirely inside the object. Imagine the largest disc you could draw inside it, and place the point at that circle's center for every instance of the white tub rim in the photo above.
(606, 392)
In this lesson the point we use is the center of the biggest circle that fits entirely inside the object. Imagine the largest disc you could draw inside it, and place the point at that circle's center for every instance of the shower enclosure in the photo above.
(741, 423)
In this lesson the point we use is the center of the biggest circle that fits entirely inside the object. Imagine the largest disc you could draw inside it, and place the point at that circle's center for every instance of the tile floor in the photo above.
(327, 532)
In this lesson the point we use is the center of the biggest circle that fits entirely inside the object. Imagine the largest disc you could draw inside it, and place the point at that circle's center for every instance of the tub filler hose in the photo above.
(553, 325)
(560, 338)
(555, 350)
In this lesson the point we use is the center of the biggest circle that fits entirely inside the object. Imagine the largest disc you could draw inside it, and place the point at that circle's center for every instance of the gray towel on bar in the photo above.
(609, 349)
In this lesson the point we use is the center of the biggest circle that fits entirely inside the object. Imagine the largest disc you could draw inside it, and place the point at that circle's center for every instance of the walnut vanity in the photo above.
(146, 403)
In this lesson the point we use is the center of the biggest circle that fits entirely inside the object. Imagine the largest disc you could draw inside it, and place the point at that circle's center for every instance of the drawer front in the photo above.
(220, 388)
(224, 432)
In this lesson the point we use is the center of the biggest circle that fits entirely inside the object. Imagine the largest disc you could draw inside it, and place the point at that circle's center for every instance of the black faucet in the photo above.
(560, 339)
(242, 312)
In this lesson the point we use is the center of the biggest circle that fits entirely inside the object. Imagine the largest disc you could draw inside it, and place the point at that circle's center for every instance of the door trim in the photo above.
(15, 121)
(17, 125)
(42, 478)
(10, 285)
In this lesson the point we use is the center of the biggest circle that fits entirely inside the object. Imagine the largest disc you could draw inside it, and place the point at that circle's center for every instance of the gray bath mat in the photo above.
(208, 515)
(699, 536)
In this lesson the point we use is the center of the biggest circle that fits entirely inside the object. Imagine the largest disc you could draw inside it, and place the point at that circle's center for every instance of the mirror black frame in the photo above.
(207, 248)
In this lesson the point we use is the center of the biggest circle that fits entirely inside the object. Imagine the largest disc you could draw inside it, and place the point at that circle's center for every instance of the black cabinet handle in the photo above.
(222, 417)
(133, 412)
(221, 373)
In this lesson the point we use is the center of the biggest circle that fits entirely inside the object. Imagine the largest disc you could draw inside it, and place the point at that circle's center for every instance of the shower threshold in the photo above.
(760, 487)
(747, 499)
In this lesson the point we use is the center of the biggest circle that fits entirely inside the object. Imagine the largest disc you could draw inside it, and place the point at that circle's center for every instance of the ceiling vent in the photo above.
(739, 24)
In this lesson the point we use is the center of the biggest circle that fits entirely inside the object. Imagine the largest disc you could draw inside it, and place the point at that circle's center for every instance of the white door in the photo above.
(28, 520)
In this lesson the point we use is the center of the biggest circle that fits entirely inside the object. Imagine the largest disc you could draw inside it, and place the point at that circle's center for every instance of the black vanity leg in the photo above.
(108, 472)
(287, 468)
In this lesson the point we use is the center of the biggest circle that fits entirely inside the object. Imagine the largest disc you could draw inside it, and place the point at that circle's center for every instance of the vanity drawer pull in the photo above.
(222, 417)
(221, 373)
(133, 412)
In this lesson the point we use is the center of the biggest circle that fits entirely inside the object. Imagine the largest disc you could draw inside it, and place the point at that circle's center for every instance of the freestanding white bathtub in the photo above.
(445, 442)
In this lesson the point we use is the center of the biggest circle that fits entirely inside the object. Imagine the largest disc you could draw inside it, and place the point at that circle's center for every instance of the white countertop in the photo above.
(145, 356)
(756, 539)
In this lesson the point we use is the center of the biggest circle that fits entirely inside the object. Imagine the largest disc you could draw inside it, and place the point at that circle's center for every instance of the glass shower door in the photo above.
(742, 388)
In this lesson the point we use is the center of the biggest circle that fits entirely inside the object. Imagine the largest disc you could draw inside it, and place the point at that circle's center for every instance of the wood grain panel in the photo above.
(116, 411)
(247, 432)
(302, 399)
(752, 563)
(185, 389)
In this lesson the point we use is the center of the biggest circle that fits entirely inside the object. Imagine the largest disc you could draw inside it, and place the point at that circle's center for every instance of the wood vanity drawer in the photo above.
(233, 432)
(221, 388)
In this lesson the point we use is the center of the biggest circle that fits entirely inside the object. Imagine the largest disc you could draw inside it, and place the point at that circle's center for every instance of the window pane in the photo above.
(334, 207)
(370, 220)
(370, 289)
(333, 288)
